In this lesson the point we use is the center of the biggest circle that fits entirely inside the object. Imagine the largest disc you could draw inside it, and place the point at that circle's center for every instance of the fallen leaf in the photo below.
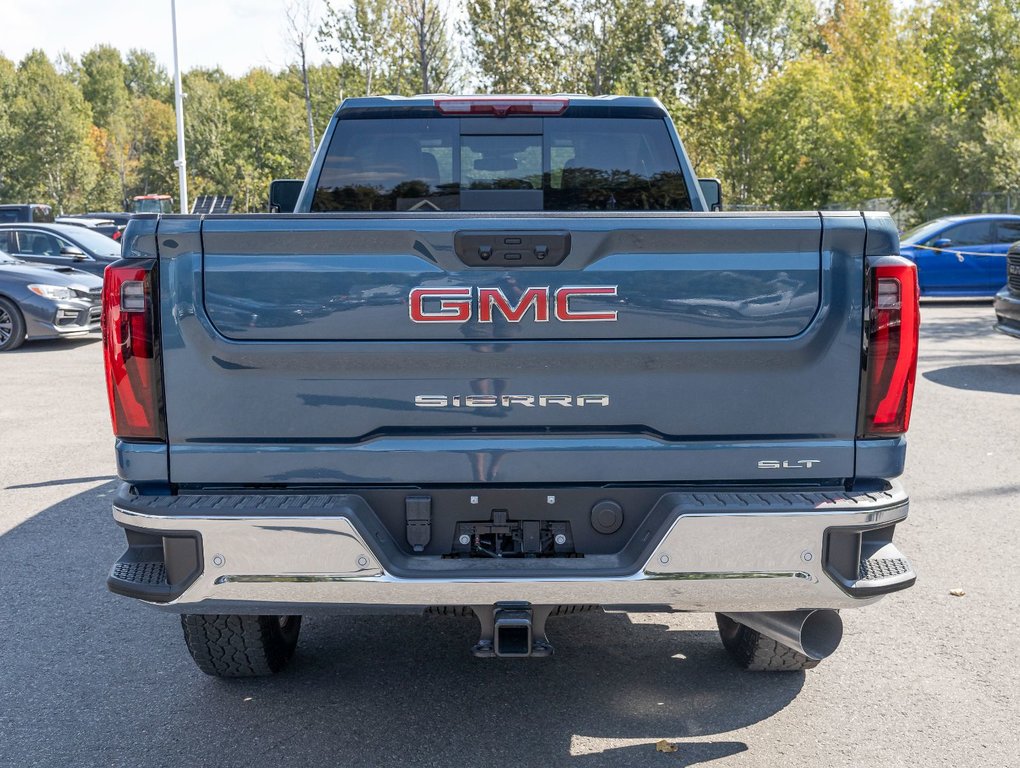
(664, 746)
(957, 592)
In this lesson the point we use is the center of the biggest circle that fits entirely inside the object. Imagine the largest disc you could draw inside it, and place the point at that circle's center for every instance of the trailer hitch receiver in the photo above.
(512, 630)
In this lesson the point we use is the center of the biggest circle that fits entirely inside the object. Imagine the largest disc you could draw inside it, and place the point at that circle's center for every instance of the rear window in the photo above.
(42, 213)
(453, 164)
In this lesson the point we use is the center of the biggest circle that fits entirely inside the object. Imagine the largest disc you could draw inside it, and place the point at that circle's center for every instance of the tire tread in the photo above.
(239, 646)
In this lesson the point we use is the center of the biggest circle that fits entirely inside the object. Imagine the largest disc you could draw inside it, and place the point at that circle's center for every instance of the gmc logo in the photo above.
(458, 305)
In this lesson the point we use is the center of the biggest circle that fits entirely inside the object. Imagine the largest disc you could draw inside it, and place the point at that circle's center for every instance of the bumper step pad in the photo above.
(882, 571)
(140, 573)
(146, 579)
(879, 568)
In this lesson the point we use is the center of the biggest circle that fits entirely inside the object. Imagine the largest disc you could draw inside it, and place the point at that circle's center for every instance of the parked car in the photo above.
(120, 220)
(1007, 301)
(103, 226)
(14, 212)
(60, 244)
(45, 302)
(961, 255)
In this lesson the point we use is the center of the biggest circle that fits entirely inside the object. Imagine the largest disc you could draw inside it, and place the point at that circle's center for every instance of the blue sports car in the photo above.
(962, 255)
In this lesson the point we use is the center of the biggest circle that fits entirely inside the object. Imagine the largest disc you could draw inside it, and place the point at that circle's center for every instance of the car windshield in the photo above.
(923, 231)
(95, 243)
(6, 258)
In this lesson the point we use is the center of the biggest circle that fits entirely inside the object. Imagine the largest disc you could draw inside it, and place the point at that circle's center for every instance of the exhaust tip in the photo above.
(820, 634)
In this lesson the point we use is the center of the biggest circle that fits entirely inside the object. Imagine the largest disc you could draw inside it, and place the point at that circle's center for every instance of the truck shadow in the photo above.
(1000, 379)
(92, 678)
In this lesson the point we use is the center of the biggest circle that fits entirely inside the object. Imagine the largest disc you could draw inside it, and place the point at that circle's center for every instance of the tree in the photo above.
(101, 75)
(145, 77)
(207, 131)
(430, 47)
(773, 32)
(7, 91)
(53, 156)
(264, 123)
(516, 45)
(952, 140)
(625, 46)
(368, 35)
(301, 25)
(153, 141)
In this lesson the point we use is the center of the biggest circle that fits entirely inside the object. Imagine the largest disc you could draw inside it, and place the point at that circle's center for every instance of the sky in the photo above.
(233, 34)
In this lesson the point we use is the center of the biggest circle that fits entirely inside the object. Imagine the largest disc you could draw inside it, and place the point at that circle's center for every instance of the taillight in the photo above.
(500, 106)
(891, 360)
(130, 349)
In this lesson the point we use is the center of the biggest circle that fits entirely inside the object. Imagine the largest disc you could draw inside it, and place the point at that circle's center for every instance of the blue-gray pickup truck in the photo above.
(505, 359)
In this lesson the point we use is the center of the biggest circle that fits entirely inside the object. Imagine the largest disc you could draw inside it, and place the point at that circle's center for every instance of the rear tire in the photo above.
(12, 326)
(240, 646)
(757, 652)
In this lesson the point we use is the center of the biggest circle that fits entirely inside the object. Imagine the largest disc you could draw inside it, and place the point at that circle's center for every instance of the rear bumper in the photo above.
(713, 551)
(1007, 312)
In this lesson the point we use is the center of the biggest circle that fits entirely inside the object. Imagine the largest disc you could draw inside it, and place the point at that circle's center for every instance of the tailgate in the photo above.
(332, 349)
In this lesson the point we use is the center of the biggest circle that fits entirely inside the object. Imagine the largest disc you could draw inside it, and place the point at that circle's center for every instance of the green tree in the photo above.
(371, 36)
(953, 140)
(822, 123)
(144, 76)
(153, 142)
(428, 49)
(207, 132)
(266, 136)
(773, 32)
(626, 47)
(54, 159)
(8, 82)
(101, 77)
(516, 44)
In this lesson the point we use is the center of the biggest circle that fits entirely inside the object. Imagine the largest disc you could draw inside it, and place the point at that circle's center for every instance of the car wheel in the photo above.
(12, 326)
(240, 646)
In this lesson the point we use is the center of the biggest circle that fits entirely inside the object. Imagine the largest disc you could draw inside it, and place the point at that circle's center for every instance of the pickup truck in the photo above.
(505, 361)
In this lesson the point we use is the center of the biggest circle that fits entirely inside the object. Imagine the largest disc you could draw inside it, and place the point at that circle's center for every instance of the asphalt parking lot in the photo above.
(922, 679)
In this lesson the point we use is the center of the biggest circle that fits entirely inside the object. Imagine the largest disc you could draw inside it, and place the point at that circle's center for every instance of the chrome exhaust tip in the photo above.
(816, 634)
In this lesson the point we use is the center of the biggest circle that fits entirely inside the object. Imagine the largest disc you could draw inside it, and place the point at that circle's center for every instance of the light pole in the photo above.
(180, 162)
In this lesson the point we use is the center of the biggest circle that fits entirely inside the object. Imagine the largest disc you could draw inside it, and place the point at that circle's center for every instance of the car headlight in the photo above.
(54, 292)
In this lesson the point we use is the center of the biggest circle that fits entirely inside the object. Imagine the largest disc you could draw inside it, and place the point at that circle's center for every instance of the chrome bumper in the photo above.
(721, 551)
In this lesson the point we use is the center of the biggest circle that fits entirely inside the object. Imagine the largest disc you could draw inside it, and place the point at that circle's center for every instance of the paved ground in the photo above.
(922, 679)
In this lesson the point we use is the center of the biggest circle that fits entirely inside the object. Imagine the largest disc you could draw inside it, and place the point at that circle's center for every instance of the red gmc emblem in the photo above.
(458, 305)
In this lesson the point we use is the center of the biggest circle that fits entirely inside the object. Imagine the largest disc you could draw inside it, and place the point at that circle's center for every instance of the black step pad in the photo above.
(140, 573)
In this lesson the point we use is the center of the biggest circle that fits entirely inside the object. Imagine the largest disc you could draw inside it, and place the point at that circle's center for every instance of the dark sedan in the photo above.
(62, 245)
(46, 302)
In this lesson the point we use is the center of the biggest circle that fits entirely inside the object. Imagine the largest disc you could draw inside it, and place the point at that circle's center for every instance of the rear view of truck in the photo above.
(504, 362)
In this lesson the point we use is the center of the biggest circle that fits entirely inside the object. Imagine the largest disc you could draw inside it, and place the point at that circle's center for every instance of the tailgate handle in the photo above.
(512, 249)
